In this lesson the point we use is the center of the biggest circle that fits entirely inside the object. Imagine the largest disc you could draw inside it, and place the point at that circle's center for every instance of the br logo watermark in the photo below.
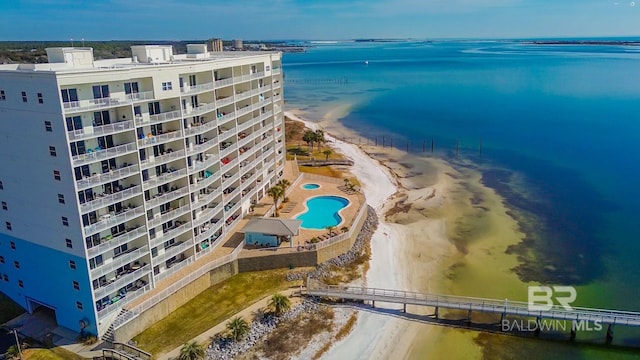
(541, 297)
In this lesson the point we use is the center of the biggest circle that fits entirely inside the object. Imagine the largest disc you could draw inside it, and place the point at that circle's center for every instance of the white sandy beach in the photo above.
(378, 336)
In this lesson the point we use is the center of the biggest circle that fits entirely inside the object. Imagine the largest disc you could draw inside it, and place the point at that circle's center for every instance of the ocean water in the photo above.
(554, 129)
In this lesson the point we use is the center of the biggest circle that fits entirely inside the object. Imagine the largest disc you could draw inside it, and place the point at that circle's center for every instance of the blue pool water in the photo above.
(310, 186)
(322, 211)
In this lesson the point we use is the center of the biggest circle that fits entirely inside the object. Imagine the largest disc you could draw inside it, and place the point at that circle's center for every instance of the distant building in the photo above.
(237, 44)
(216, 45)
(116, 174)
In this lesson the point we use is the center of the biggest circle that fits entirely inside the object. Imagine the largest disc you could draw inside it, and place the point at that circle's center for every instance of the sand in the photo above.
(439, 228)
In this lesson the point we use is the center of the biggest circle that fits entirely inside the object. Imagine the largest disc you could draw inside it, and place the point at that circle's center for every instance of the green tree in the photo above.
(330, 230)
(275, 193)
(238, 328)
(309, 137)
(319, 138)
(279, 304)
(327, 153)
(192, 351)
(344, 229)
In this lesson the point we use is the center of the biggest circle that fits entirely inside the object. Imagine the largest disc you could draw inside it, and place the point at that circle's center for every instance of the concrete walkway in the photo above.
(246, 313)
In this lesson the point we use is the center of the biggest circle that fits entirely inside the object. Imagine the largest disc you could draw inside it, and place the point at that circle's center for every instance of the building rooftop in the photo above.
(80, 59)
(282, 227)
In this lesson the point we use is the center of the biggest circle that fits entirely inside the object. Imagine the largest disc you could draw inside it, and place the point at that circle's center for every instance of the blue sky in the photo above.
(314, 19)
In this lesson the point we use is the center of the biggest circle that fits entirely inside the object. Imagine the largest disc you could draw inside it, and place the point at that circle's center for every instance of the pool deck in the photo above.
(296, 206)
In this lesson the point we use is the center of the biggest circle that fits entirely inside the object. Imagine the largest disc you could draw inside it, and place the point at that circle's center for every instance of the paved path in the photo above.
(246, 313)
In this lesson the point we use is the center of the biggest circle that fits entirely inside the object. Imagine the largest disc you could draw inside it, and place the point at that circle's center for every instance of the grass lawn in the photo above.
(50, 354)
(210, 308)
(8, 309)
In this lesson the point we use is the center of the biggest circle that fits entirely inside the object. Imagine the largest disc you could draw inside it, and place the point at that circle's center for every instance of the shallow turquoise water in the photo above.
(322, 212)
(310, 186)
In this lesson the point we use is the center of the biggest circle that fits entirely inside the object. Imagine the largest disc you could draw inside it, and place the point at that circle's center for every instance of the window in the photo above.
(2, 95)
(79, 305)
(61, 198)
(76, 285)
(40, 99)
(72, 264)
(1, 259)
(100, 91)
(47, 126)
(131, 88)
(1, 186)
(267, 68)
(24, 96)
(8, 225)
(52, 151)
(13, 245)
(65, 221)
(5, 277)
(167, 86)
(56, 175)
(69, 243)
(20, 283)
(16, 264)
(69, 96)
(4, 205)
(95, 262)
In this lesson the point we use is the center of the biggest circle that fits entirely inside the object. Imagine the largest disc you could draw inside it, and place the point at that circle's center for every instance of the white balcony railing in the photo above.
(223, 82)
(224, 101)
(166, 197)
(207, 215)
(203, 108)
(122, 281)
(103, 154)
(94, 104)
(109, 221)
(209, 232)
(161, 237)
(162, 159)
(200, 129)
(106, 200)
(160, 139)
(228, 150)
(226, 118)
(110, 244)
(163, 218)
(197, 88)
(210, 160)
(94, 131)
(202, 147)
(203, 183)
(204, 199)
(113, 175)
(164, 178)
(119, 261)
(175, 250)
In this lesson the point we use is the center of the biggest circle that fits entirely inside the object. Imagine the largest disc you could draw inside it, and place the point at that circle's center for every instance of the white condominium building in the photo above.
(116, 173)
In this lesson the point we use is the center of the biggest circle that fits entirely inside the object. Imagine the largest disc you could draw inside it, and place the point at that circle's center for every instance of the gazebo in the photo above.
(269, 232)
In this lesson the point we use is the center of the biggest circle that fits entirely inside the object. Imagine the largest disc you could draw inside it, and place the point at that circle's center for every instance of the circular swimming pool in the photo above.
(310, 186)
(322, 211)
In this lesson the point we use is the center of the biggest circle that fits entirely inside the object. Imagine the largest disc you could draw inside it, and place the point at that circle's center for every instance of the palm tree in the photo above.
(284, 184)
(330, 230)
(344, 229)
(275, 193)
(319, 138)
(238, 327)
(191, 351)
(279, 303)
(346, 182)
(327, 153)
(309, 137)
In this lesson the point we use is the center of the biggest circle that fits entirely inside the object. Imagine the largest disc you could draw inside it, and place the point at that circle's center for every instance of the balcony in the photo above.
(104, 200)
(276, 71)
(230, 179)
(204, 146)
(231, 196)
(122, 281)
(223, 82)
(257, 75)
(209, 231)
(222, 101)
(118, 261)
(178, 229)
(230, 148)
(207, 198)
(160, 138)
(90, 132)
(168, 215)
(113, 175)
(223, 119)
(197, 129)
(110, 242)
(202, 109)
(241, 78)
(166, 197)
(175, 249)
(107, 221)
(229, 225)
(109, 309)
(166, 177)
(230, 164)
(187, 90)
(205, 181)
(244, 110)
(103, 154)
(277, 98)
(162, 159)
(207, 214)
(244, 141)
(210, 159)
(95, 104)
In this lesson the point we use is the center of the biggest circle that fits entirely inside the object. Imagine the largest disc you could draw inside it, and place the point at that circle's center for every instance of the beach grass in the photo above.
(8, 309)
(211, 307)
(322, 170)
(50, 354)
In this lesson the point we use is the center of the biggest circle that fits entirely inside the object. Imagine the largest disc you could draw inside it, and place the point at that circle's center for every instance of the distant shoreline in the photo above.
(585, 42)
